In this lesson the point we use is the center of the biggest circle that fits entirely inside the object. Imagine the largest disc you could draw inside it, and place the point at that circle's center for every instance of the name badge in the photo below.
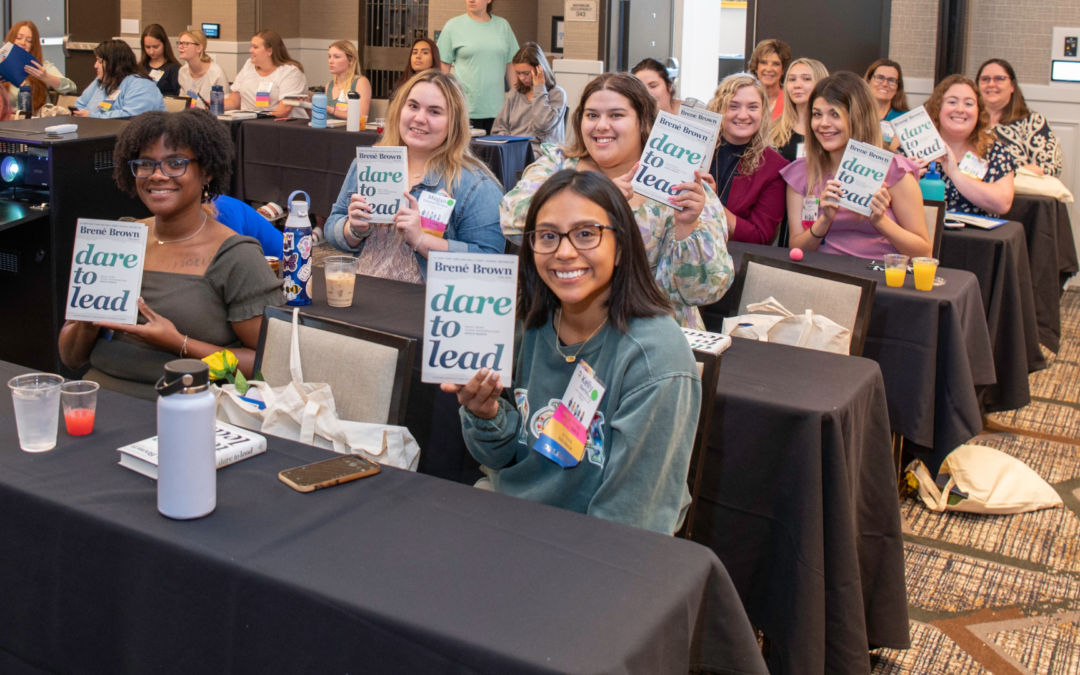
(887, 131)
(566, 434)
(109, 101)
(810, 207)
(262, 94)
(800, 150)
(435, 211)
(156, 74)
(973, 166)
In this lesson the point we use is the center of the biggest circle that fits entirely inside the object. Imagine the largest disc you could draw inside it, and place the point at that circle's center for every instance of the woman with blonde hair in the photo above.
(843, 108)
(270, 76)
(535, 106)
(745, 171)
(42, 75)
(768, 63)
(199, 74)
(788, 132)
(344, 65)
(977, 169)
(686, 248)
(430, 118)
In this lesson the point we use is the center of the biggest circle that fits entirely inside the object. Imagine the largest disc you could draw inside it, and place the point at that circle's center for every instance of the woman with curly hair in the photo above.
(745, 171)
(204, 287)
(977, 169)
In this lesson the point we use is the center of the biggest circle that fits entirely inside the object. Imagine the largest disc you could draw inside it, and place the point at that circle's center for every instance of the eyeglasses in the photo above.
(881, 79)
(184, 43)
(996, 79)
(582, 238)
(173, 167)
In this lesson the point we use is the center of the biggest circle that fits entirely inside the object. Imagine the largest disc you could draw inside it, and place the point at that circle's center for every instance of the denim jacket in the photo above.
(473, 226)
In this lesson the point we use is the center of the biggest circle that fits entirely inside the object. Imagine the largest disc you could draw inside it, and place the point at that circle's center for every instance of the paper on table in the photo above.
(862, 173)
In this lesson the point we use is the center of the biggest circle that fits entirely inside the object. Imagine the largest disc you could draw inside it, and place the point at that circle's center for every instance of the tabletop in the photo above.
(398, 572)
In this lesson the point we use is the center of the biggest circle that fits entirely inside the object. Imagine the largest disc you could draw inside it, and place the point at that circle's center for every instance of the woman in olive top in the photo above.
(42, 75)
(344, 65)
(788, 133)
(481, 48)
(158, 61)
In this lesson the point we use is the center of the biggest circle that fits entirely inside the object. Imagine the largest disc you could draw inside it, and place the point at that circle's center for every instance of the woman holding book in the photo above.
(158, 60)
(344, 65)
(199, 74)
(686, 248)
(787, 133)
(1024, 132)
(204, 287)
(268, 78)
(768, 63)
(586, 294)
(424, 55)
(430, 119)
(745, 171)
(658, 81)
(41, 75)
(120, 89)
(535, 106)
(977, 169)
(842, 109)
(886, 81)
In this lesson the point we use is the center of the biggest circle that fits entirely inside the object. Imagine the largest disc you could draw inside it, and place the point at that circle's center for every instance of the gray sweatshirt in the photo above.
(542, 117)
(638, 453)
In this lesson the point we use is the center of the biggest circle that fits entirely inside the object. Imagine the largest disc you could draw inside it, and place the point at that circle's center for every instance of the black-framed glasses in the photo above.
(185, 43)
(996, 79)
(173, 167)
(582, 237)
(881, 79)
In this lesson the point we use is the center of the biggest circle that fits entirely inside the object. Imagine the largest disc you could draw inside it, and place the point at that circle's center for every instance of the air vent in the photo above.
(7, 147)
(9, 262)
(103, 160)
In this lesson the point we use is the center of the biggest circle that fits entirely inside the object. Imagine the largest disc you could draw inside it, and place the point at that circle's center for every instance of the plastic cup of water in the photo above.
(340, 271)
(37, 409)
(79, 399)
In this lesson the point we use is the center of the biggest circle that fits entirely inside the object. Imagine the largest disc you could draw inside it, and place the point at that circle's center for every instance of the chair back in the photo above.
(66, 100)
(935, 223)
(368, 371)
(843, 298)
(709, 369)
(177, 103)
(378, 108)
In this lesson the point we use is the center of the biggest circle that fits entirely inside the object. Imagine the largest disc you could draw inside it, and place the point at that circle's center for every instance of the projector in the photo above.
(28, 167)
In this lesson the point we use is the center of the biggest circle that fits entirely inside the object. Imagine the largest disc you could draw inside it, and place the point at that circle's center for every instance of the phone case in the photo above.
(328, 473)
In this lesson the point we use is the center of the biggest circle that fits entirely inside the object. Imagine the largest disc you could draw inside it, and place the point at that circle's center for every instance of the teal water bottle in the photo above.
(933, 188)
(296, 260)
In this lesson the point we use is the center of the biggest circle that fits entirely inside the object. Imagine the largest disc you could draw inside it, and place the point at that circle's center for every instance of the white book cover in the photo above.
(675, 149)
(717, 343)
(709, 120)
(231, 444)
(469, 316)
(862, 173)
(918, 135)
(382, 179)
(106, 271)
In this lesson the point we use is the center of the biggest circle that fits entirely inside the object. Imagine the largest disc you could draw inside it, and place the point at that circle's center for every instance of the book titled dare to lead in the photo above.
(469, 316)
(675, 149)
(106, 271)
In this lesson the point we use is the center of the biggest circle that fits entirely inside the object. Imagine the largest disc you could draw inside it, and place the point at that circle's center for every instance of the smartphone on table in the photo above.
(328, 473)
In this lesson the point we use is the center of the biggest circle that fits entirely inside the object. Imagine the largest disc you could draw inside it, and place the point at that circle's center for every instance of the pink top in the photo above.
(852, 233)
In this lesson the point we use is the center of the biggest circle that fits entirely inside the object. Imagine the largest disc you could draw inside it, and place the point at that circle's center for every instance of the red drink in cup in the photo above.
(80, 402)
(79, 422)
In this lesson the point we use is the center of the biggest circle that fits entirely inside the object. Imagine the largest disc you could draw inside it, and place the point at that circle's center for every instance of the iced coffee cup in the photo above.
(340, 279)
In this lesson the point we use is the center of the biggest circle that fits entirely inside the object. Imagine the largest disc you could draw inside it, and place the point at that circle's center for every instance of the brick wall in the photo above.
(912, 36)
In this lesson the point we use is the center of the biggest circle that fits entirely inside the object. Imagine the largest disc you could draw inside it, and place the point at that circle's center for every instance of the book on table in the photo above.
(469, 316)
(862, 173)
(675, 149)
(716, 343)
(231, 444)
(709, 120)
(499, 140)
(918, 136)
(106, 271)
(382, 179)
(984, 222)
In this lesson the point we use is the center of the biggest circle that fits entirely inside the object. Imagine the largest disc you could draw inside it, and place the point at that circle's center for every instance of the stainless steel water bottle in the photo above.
(187, 464)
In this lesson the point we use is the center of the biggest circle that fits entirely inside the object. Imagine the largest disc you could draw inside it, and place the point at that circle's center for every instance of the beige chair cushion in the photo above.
(799, 292)
(360, 373)
(931, 212)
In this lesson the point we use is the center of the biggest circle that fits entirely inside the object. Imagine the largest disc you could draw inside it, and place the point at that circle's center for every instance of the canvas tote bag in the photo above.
(770, 321)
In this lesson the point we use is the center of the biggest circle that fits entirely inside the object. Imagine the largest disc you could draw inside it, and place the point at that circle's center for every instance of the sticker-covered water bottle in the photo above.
(296, 254)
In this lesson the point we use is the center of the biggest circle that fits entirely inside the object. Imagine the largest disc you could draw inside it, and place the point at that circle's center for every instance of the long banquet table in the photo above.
(799, 500)
(396, 573)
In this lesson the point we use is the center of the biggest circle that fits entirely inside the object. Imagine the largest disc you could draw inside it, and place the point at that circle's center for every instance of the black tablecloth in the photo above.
(396, 573)
(274, 158)
(998, 259)
(1052, 252)
(812, 464)
(933, 349)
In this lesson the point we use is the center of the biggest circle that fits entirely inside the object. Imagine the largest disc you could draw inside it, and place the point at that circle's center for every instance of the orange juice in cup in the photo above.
(925, 269)
(895, 269)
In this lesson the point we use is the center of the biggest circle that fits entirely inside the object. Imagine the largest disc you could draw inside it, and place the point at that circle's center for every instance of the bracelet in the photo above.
(355, 234)
(813, 234)
(183, 347)
(416, 248)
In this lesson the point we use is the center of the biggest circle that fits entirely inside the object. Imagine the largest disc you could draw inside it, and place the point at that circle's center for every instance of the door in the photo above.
(643, 30)
(91, 21)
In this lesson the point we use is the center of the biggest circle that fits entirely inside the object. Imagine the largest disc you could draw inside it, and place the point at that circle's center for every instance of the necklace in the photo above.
(558, 324)
(173, 241)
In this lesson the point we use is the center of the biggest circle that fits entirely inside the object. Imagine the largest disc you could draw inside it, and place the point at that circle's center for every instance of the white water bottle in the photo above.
(187, 463)
(352, 119)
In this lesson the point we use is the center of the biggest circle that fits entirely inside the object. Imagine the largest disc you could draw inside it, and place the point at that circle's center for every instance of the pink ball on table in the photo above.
(796, 254)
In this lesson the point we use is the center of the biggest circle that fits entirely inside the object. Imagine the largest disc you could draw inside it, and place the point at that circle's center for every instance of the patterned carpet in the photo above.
(1000, 595)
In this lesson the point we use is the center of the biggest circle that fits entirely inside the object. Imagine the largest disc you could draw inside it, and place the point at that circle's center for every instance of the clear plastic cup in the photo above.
(363, 123)
(79, 399)
(925, 269)
(340, 273)
(895, 269)
(37, 409)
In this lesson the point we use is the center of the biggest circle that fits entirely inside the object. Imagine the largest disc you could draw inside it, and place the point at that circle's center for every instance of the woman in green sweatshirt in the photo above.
(586, 293)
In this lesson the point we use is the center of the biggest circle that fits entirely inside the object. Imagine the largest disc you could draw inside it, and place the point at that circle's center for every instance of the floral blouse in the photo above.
(1030, 141)
(692, 272)
(1000, 164)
